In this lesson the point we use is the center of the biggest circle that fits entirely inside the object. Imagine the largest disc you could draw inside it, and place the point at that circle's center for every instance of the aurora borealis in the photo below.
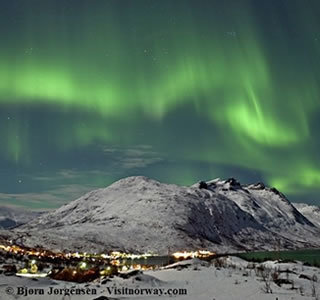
(183, 90)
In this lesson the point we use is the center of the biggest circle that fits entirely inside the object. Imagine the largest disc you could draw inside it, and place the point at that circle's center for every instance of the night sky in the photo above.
(178, 90)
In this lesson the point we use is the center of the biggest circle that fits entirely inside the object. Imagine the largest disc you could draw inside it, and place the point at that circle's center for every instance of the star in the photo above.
(28, 51)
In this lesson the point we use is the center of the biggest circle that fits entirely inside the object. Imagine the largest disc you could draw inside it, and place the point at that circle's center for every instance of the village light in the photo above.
(83, 265)
(107, 271)
(193, 254)
(34, 268)
(115, 262)
(183, 255)
(124, 268)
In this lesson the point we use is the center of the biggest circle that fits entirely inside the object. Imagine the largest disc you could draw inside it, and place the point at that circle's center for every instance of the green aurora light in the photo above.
(107, 68)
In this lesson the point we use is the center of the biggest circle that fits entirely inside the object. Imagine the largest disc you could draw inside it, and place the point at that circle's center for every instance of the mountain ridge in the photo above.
(11, 217)
(139, 214)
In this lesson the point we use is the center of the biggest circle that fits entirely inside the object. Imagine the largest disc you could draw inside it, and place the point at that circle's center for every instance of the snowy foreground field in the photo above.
(222, 279)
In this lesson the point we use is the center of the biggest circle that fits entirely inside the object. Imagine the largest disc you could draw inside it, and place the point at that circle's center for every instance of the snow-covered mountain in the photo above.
(312, 212)
(140, 214)
(13, 216)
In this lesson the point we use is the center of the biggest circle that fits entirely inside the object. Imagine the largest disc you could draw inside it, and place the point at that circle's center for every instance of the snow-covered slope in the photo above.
(228, 278)
(140, 214)
(311, 212)
(13, 216)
